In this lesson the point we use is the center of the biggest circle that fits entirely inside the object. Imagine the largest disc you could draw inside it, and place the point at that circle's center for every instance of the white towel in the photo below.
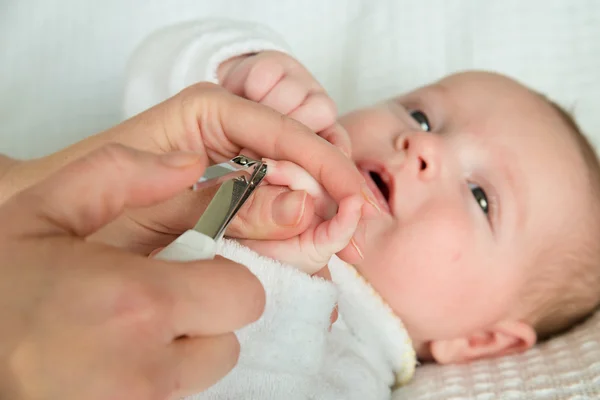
(290, 353)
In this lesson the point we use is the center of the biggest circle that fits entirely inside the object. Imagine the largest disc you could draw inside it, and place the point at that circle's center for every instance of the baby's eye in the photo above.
(421, 118)
(480, 197)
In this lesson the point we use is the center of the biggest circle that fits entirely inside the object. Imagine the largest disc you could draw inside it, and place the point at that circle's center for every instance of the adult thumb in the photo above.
(92, 191)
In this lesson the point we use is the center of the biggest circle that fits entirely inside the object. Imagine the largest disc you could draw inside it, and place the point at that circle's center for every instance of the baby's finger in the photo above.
(253, 77)
(337, 135)
(286, 173)
(317, 111)
(286, 96)
(264, 74)
(314, 247)
(353, 253)
(334, 235)
(291, 251)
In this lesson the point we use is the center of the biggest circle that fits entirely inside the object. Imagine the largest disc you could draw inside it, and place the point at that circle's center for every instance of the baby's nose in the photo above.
(422, 153)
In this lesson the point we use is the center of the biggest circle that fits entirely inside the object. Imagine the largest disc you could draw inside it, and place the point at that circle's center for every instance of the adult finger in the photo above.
(273, 212)
(211, 111)
(92, 191)
(200, 362)
(210, 297)
(288, 174)
(337, 135)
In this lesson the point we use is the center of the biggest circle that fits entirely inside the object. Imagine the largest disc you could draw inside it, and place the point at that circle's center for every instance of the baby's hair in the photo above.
(568, 291)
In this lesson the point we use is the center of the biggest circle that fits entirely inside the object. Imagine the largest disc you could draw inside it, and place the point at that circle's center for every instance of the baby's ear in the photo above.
(503, 338)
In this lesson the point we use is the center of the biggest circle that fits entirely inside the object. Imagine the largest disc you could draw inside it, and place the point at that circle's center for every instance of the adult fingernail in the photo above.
(370, 198)
(180, 159)
(288, 208)
(358, 251)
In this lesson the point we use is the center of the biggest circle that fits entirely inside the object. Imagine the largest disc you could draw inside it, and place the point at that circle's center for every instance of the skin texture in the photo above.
(449, 269)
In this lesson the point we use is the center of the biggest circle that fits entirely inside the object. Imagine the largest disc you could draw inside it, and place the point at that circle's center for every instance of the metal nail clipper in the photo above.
(238, 177)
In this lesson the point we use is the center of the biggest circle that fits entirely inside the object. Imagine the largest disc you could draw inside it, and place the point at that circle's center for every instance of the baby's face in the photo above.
(467, 204)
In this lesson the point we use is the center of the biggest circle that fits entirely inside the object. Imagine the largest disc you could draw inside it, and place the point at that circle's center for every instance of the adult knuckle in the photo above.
(191, 97)
(139, 305)
(200, 88)
(113, 155)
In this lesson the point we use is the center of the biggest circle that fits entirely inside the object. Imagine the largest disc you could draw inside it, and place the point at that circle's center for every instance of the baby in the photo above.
(489, 195)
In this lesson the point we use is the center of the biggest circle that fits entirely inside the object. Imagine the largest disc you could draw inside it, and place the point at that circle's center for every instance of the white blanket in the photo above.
(290, 353)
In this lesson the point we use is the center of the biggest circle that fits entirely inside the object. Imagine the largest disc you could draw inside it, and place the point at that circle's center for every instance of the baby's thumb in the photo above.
(92, 191)
(335, 234)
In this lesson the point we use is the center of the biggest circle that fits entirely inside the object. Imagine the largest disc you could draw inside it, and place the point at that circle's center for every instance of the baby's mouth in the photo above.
(379, 183)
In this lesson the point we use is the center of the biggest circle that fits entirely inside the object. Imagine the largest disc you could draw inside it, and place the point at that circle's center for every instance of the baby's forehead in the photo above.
(483, 80)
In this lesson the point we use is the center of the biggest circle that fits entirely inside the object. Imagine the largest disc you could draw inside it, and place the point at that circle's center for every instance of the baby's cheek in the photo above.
(427, 286)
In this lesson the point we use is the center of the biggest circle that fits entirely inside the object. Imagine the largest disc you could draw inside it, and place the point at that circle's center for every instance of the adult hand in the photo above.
(83, 320)
(207, 119)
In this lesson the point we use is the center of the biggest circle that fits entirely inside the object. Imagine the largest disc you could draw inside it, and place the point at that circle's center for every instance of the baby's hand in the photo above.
(279, 81)
(329, 232)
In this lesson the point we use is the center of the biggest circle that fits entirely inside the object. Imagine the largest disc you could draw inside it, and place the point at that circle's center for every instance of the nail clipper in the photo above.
(238, 177)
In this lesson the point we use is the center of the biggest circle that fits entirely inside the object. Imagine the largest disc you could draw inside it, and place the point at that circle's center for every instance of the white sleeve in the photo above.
(178, 56)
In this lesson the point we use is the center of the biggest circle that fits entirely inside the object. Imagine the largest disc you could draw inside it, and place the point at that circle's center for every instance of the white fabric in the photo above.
(565, 368)
(183, 54)
(62, 62)
(289, 353)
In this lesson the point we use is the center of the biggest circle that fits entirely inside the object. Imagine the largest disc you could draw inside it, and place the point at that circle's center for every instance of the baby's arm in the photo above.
(331, 230)
(180, 55)
(247, 59)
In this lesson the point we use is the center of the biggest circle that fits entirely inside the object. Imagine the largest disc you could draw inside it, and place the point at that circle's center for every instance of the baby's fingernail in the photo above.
(346, 152)
(180, 159)
(370, 198)
(360, 254)
(270, 163)
(288, 208)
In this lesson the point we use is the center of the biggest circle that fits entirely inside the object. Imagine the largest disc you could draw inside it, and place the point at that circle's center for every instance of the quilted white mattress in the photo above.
(567, 367)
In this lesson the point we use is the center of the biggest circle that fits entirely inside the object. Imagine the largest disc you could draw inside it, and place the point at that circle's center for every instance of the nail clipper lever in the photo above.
(238, 177)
